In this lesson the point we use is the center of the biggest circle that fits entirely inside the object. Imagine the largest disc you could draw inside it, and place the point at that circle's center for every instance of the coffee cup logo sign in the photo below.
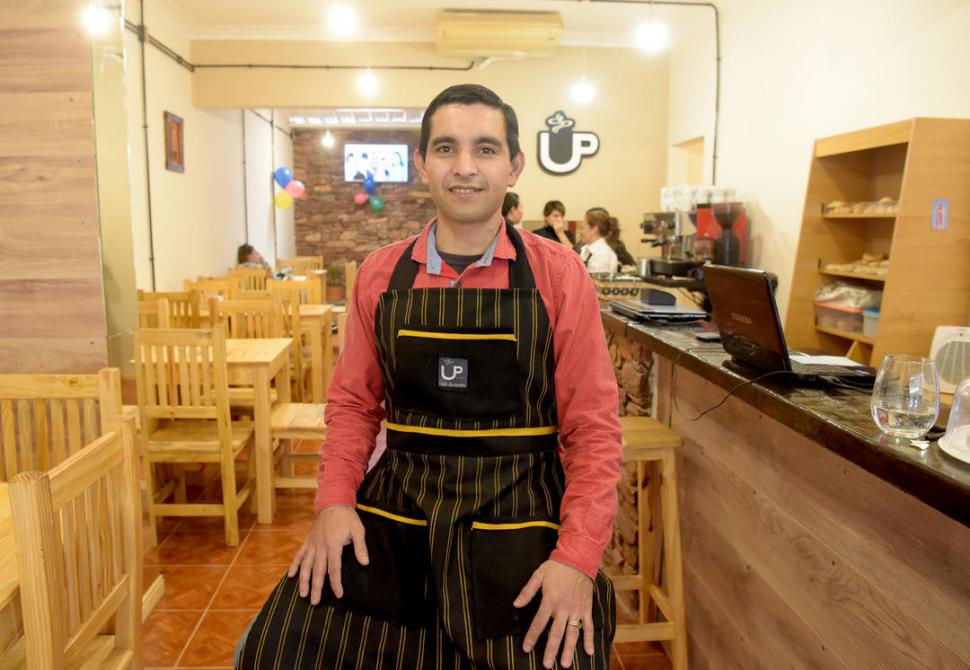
(561, 149)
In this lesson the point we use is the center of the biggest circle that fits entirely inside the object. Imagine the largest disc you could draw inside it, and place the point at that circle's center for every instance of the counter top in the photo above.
(838, 419)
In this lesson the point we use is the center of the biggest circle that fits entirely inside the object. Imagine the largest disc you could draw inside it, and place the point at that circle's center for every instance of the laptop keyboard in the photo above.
(827, 370)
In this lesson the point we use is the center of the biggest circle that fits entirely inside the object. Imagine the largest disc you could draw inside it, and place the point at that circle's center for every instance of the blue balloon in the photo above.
(283, 176)
(370, 185)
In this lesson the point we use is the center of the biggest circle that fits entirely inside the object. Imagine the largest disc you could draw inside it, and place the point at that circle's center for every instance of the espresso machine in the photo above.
(667, 230)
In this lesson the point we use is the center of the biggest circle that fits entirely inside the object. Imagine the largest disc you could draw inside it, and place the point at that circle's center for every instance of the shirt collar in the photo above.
(426, 251)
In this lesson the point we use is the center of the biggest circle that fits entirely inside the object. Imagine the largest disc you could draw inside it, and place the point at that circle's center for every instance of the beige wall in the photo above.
(630, 114)
(793, 72)
(198, 216)
(52, 316)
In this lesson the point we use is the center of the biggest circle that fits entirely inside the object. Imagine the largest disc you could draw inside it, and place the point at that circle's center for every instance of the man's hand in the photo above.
(334, 528)
(567, 595)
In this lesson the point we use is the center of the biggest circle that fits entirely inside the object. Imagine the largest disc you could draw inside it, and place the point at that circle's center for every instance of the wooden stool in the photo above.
(296, 421)
(647, 442)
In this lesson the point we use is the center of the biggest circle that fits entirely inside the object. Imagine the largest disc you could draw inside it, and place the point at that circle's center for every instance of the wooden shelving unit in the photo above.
(914, 162)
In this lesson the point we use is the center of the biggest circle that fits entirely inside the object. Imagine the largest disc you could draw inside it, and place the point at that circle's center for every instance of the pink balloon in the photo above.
(361, 198)
(295, 188)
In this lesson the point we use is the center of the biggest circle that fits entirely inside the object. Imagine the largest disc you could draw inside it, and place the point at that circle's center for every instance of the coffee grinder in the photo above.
(727, 247)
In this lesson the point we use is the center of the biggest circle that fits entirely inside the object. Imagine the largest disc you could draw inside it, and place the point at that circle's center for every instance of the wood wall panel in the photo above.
(52, 316)
(804, 558)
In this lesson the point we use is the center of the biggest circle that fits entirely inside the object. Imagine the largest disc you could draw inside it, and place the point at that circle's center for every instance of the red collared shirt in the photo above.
(586, 388)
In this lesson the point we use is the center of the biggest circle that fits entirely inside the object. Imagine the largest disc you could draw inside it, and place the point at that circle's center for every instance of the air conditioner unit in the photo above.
(950, 351)
(503, 34)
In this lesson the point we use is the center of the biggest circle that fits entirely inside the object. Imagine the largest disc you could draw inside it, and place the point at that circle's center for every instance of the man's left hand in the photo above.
(567, 596)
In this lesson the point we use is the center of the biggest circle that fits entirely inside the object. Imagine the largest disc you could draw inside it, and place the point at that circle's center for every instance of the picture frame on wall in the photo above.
(174, 143)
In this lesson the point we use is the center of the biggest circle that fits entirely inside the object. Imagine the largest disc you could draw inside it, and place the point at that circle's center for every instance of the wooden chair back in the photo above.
(301, 265)
(46, 418)
(183, 307)
(182, 374)
(350, 274)
(250, 279)
(211, 287)
(243, 294)
(248, 318)
(78, 533)
(154, 314)
(309, 291)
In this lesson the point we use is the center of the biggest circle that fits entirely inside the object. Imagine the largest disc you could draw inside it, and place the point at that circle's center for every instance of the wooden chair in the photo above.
(46, 418)
(301, 265)
(290, 422)
(183, 307)
(651, 445)
(154, 313)
(183, 398)
(78, 532)
(211, 287)
(350, 274)
(309, 290)
(247, 318)
(250, 279)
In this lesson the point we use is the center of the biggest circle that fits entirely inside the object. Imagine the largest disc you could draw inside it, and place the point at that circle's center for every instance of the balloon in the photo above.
(370, 185)
(295, 188)
(361, 198)
(376, 203)
(283, 200)
(283, 176)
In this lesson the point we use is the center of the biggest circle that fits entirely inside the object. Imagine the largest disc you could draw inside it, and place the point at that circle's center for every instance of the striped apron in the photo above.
(463, 505)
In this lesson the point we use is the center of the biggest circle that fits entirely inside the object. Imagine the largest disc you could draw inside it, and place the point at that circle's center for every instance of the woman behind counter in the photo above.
(613, 239)
(597, 254)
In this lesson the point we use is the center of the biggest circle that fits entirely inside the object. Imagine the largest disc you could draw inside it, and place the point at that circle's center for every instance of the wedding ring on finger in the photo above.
(575, 622)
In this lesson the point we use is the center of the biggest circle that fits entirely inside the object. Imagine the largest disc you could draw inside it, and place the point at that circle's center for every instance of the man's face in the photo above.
(468, 167)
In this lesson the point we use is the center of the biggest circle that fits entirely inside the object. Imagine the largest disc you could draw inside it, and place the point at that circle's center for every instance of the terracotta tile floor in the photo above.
(213, 591)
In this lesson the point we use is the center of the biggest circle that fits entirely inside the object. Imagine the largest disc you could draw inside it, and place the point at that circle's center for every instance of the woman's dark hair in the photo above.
(600, 219)
(471, 94)
(554, 206)
(511, 202)
(612, 236)
(242, 254)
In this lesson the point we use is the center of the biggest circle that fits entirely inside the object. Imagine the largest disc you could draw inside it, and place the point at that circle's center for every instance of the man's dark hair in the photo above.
(511, 202)
(554, 206)
(471, 94)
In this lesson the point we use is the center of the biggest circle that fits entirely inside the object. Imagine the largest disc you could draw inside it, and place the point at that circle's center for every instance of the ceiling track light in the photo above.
(368, 84)
(327, 140)
(342, 22)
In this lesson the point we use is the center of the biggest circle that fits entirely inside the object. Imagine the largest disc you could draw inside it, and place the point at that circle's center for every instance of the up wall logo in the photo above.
(561, 149)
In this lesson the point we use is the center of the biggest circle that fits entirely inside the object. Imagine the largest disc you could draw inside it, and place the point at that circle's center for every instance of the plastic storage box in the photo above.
(837, 317)
(870, 322)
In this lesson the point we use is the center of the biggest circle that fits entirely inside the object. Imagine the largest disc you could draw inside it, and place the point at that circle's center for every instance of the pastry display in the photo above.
(885, 205)
(876, 265)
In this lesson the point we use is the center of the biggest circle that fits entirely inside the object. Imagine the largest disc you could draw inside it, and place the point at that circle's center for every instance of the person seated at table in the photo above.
(512, 209)
(555, 213)
(596, 253)
(613, 239)
(248, 257)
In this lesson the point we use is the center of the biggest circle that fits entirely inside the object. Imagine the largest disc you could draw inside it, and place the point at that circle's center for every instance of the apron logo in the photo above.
(561, 149)
(452, 373)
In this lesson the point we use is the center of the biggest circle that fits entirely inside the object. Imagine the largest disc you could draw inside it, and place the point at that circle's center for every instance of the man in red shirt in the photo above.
(475, 540)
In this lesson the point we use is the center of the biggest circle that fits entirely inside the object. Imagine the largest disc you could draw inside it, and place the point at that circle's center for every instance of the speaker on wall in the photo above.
(950, 351)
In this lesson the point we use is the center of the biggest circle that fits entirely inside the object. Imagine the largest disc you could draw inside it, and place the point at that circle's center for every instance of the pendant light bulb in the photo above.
(327, 140)
(96, 20)
(368, 84)
(583, 92)
(651, 37)
(342, 21)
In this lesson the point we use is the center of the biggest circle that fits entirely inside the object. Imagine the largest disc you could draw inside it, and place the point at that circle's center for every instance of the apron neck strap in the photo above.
(520, 272)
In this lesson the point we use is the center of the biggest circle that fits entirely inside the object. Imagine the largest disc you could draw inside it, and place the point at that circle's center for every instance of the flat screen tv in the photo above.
(385, 162)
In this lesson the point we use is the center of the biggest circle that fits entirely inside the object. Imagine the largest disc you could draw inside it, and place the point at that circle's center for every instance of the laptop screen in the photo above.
(746, 315)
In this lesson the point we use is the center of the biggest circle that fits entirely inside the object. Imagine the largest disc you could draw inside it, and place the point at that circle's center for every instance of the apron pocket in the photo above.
(504, 555)
(457, 375)
(395, 585)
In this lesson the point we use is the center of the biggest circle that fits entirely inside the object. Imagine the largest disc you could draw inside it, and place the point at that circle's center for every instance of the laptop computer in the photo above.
(747, 316)
(660, 314)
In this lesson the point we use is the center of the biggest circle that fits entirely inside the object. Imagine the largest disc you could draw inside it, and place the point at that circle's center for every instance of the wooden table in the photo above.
(256, 363)
(318, 320)
(11, 618)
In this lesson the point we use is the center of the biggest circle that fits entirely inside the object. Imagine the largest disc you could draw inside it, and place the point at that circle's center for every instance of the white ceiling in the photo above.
(592, 23)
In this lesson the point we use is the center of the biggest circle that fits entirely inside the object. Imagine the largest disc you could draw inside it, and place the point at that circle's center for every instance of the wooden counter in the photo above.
(807, 542)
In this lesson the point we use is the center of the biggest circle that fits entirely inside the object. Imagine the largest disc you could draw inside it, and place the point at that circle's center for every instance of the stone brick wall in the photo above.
(328, 222)
(633, 367)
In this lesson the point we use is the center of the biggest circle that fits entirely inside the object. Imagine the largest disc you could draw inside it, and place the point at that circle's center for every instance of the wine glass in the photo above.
(906, 396)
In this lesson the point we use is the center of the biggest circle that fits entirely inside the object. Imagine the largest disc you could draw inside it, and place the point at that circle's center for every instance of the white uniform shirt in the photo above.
(599, 256)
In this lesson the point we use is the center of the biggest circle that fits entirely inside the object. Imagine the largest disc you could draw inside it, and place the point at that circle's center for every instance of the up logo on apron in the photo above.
(561, 149)
(452, 373)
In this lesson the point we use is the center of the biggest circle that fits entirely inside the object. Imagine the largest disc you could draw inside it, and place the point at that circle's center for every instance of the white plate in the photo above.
(961, 454)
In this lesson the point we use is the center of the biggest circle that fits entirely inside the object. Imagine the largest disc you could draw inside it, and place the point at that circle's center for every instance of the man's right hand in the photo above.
(334, 528)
